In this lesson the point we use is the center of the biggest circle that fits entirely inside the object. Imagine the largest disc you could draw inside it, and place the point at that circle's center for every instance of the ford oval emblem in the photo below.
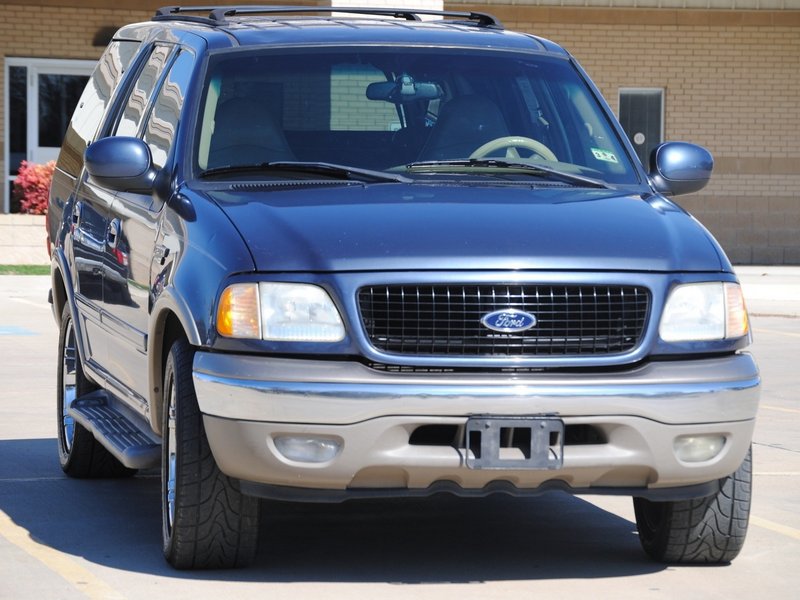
(509, 320)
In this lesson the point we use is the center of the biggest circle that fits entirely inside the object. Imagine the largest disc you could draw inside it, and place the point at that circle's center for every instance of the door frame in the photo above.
(36, 67)
(646, 90)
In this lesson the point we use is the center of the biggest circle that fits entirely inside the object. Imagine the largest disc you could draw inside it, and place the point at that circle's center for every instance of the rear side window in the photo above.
(93, 103)
(136, 107)
(162, 125)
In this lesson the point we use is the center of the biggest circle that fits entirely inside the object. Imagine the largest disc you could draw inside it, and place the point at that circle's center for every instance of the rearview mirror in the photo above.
(680, 168)
(404, 89)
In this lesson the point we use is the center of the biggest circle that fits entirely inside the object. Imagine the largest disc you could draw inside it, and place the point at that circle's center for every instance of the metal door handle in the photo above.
(76, 214)
(112, 234)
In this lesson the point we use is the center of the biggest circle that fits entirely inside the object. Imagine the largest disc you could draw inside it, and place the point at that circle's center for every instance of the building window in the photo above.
(18, 108)
(641, 113)
(40, 96)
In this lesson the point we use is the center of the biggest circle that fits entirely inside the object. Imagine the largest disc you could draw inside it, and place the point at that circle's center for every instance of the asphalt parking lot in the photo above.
(69, 539)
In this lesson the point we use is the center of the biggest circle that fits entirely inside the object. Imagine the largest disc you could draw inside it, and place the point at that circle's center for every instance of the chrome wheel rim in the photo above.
(171, 441)
(68, 387)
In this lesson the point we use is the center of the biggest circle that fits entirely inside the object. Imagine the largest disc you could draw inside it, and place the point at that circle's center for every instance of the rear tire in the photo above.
(207, 523)
(703, 530)
(79, 453)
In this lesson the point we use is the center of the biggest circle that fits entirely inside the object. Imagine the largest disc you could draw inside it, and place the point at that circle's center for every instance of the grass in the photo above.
(24, 269)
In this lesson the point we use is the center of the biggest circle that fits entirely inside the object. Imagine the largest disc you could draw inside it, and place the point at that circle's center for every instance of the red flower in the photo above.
(32, 186)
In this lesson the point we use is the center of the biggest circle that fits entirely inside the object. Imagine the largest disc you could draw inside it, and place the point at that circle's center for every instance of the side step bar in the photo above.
(129, 442)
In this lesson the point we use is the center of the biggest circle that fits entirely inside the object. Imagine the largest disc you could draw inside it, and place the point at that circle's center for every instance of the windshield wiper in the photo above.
(323, 169)
(450, 166)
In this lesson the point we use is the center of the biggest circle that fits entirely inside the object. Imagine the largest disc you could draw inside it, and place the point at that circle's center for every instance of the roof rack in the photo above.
(218, 15)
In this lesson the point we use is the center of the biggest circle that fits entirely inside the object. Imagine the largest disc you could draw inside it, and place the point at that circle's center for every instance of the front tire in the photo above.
(79, 453)
(207, 523)
(703, 530)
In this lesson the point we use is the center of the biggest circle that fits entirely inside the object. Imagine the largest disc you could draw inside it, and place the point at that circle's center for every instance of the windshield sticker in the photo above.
(604, 155)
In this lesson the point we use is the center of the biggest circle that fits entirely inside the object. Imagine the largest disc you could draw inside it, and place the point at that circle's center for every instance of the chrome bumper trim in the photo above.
(258, 388)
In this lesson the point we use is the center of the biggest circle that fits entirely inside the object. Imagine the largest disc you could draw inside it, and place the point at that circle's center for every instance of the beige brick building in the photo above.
(723, 73)
(731, 82)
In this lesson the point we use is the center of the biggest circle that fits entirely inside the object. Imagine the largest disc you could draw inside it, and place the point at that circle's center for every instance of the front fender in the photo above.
(192, 257)
(169, 310)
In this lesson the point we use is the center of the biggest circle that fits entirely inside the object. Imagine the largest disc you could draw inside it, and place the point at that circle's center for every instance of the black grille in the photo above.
(445, 320)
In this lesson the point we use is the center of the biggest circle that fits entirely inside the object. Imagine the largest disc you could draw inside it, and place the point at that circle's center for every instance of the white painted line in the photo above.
(776, 527)
(780, 409)
(31, 303)
(776, 332)
(58, 562)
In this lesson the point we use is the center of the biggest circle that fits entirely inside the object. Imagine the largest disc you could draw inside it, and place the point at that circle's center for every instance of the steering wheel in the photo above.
(511, 143)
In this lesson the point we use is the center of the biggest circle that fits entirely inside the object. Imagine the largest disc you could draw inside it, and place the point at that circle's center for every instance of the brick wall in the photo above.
(732, 84)
(730, 78)
(59, 29)
(55, 32)
(351, 110)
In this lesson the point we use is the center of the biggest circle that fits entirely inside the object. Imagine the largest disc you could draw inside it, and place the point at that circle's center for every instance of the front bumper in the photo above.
(249, 401)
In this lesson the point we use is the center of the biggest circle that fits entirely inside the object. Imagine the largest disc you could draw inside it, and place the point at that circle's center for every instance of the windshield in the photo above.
(392, 109)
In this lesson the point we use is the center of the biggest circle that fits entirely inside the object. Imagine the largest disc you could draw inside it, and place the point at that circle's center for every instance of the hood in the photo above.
(412, 227)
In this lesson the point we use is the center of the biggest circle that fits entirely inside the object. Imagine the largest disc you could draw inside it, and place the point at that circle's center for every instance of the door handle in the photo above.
(112, 234)
(160, 253)
(76, 214)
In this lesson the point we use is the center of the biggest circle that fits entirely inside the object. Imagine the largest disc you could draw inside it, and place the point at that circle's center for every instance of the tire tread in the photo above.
(703, 530)
(216, 526)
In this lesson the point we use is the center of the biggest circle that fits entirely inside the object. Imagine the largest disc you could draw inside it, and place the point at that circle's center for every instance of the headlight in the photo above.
(697, 312)
(286, 312)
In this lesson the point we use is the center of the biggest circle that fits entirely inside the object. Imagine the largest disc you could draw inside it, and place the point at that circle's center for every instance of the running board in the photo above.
(119, 433)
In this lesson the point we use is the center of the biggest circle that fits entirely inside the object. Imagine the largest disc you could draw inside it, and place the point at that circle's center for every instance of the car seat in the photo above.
(245, 133)
(465, 123)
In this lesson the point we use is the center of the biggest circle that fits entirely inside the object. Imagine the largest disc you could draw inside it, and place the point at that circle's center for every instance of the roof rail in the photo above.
(218, 15)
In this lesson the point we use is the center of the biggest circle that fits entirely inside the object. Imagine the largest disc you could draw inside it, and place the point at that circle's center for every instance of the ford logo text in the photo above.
(510, 320)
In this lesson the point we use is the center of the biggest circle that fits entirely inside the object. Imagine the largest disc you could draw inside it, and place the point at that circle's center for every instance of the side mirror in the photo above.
(680, 168)
(123, 164)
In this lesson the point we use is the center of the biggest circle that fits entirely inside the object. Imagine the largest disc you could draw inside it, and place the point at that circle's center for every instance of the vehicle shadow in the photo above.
(443, 539)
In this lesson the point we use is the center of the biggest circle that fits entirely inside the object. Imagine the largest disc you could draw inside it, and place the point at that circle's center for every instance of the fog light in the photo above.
(308, 449)
(698, 448)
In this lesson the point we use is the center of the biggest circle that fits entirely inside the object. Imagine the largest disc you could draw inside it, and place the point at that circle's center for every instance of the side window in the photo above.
(162, 123)
(94, 102)
(136, 106)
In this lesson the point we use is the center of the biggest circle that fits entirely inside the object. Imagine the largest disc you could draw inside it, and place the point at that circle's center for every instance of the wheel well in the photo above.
(171, 330)
(59, 293)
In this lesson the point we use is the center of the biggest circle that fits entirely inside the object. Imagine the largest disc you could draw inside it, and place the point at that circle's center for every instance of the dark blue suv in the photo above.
(322, 258)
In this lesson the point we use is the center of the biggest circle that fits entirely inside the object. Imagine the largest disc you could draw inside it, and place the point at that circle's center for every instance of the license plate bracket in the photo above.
(535, 442)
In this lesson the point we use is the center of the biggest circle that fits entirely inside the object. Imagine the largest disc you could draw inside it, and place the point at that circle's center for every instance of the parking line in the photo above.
(37, 304)
(776, 527)
(775, 332)
(58, 562)
(781, 409)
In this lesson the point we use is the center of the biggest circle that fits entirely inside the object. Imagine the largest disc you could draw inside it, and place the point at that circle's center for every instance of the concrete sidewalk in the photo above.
(22, 240)
(771, 291)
